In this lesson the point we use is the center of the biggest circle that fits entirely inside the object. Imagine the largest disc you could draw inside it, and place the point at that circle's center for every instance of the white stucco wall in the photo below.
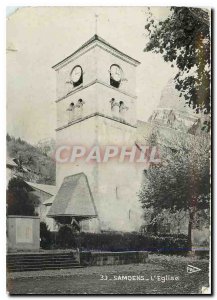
(114, 185)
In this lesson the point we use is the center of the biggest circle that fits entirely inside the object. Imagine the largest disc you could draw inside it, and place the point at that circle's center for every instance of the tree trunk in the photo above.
(190, 227)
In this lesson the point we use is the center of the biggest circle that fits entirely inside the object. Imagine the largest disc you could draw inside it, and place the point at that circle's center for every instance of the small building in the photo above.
(73, 203)
(44, 194)
(14, 169)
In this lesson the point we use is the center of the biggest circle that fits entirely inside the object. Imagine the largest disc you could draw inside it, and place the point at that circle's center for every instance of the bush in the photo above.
(66, 238)
(19, 201)
(45, 236)
(117, 241)
(131, 242)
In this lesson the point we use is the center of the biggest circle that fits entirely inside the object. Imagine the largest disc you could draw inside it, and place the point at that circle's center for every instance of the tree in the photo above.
(182, 181)
(40, 166)
(8, 138)
(18, 200)
(183, 39)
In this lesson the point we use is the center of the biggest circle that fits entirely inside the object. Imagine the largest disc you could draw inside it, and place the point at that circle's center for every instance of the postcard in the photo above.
(108, 150)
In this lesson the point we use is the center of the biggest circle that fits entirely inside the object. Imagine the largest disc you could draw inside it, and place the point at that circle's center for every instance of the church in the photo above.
(96, 104)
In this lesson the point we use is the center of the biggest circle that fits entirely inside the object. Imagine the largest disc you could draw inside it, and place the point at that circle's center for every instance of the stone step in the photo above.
(41, 259)
(38, 255)
(41, 263)
(30, 262)
(38, 261)
(39, 268)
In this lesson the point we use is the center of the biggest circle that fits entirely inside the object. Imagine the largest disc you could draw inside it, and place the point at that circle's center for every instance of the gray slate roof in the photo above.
(74, 198)
(47, 188)
(10, 162)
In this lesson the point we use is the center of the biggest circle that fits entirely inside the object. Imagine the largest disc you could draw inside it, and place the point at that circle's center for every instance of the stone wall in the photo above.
(23, 233)
(112, 258)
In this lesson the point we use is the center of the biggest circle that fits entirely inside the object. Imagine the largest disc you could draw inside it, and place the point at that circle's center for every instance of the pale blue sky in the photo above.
(42, 36)
(11, 9)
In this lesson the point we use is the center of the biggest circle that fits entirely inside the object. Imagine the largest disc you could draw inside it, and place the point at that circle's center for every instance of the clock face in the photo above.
(76, 74)
(116, 73)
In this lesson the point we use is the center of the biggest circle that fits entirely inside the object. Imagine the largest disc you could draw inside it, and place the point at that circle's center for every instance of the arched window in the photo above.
(76, 76)
(115, 75)
(71, 106)
(80, 103)
(113, 104)
(79, 108)
(122, 107)
(71, 112)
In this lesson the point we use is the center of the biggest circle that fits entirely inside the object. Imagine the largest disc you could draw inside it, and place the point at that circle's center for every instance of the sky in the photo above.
(39, 37)
(11, 9)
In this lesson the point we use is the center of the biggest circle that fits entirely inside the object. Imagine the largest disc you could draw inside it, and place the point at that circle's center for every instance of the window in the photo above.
(122, 107)
(71, 112)
(76, 76)
(80, 103)
(115, 75)
(114, 104)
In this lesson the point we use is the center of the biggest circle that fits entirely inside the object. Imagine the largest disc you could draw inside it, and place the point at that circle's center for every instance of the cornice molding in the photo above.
(78, 89)
(96, 40)
(94, 115)
(116, 54)
(69, 59)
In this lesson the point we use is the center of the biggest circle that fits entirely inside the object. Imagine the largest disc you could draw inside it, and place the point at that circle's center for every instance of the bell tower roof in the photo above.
(97, 39)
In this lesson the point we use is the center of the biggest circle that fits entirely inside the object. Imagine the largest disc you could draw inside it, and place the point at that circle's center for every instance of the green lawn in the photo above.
(154, 277)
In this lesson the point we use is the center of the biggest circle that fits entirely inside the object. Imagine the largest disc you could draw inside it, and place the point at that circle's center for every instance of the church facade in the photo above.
(96, 105)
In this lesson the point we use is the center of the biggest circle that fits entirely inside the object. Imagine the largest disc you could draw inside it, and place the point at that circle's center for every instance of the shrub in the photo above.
(131, 242)
(45, 236)
(19, 201)
(117, 241)
(66, 237)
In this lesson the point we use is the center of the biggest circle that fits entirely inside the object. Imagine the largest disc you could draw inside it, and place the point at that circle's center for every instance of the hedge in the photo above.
(129, 242)
(124, 242)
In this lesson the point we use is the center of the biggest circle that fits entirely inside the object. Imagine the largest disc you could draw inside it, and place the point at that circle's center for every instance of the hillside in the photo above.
(38, 163)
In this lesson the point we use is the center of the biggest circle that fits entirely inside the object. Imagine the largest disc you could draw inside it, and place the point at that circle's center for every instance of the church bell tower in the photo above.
(96, 105)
